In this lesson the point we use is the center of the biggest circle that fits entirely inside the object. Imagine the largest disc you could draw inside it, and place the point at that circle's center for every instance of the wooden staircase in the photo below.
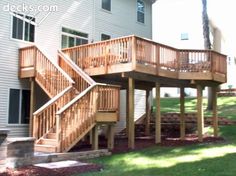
(76, 100)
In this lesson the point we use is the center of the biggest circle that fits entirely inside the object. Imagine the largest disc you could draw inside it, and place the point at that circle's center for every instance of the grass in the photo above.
(226, 106)
(194, 160)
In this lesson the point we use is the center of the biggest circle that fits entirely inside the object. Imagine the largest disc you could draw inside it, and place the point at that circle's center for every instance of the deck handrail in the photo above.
(84, 107)
(146, 52)
(76, 68)
(52, 101)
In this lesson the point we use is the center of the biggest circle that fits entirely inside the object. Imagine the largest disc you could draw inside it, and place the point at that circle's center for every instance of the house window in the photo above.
(106, 5)
(19, 106)
(22, 27)
(72, 38)
(184, 36)
(105, 37)
(140, 11)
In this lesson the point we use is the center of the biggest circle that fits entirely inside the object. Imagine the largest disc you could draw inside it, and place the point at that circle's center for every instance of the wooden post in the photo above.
(95, 138)
(131, 134)
(182, 114)
(58, 134)
(127, 112)
(148, 113)
(91, 137)
(32, 105)
(110, 135)
(158, 115)
(214, 112)
(200, 118)
(134, 52)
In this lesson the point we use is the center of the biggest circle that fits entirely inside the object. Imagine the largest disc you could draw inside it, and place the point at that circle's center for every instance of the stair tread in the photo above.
(43, 145)
(47, 139)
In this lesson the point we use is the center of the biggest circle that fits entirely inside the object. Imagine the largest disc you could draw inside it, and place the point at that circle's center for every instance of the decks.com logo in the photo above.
(29, 8)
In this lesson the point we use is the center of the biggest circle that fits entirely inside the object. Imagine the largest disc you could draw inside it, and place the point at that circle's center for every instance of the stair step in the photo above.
(51, 136)
(45, 148)
(52, 142)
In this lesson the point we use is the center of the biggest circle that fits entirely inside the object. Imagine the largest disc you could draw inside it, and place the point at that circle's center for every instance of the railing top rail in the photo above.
(59, 68)
(97, 42)
(76, 68)
(27, 47)
(51, 101)
(64, 108)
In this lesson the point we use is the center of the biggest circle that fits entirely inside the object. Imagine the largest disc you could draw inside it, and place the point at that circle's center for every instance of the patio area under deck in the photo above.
(137, 63)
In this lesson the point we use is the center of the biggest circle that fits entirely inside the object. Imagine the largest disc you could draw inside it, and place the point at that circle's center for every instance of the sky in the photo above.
(223, 14)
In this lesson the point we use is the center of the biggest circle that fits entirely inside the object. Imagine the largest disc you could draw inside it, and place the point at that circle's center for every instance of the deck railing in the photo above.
(76, 118)
(138, 50)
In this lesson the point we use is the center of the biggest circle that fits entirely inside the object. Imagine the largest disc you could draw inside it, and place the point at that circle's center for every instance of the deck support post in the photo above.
(158, 115)
(32, 105)
(131, 134)
(148, 113)
(110, 136)
(127, 112)
(200, 119)
(95, 137)
(214, 112)
(182, 114)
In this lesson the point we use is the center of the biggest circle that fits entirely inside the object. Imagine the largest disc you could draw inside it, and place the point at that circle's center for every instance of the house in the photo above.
(53, 26)
(184, 30)
(64, 64)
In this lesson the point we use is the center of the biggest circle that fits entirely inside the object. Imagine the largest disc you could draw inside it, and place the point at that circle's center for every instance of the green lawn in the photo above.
(195, 160)
(226, 106)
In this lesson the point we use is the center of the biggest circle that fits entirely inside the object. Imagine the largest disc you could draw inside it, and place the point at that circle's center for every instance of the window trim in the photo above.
(20, 108)
(22, 40)
(109, 11)
(72, 35)
(144, 12)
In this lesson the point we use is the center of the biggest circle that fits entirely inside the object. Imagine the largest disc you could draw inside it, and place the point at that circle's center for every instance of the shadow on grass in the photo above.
(194, 160)
(219, 166)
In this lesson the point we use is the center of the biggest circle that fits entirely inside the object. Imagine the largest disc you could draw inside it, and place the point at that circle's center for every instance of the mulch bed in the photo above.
(39, 171)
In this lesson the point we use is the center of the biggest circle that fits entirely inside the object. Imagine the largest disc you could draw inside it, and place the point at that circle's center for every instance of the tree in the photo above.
(207, 45)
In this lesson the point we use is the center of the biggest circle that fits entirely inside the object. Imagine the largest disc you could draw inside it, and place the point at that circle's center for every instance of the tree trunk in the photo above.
(207, 45)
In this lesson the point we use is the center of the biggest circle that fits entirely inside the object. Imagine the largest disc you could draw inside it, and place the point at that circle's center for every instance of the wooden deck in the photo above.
(144, 60)
(79, 103)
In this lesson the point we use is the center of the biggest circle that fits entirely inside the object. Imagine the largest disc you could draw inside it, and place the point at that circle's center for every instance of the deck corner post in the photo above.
(182, 114)
(200, 118)
(158, 115)
(131, 130)
(110, 139)
(214, 112)
(58, 133)
(134, 52)
(32, 105)
(95, 138)
(148, 113)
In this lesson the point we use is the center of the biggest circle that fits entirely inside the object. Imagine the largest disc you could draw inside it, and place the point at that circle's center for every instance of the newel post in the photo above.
(134, 52)
(157, 59)
(58, 132)
(35, 59)
(211, 60)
